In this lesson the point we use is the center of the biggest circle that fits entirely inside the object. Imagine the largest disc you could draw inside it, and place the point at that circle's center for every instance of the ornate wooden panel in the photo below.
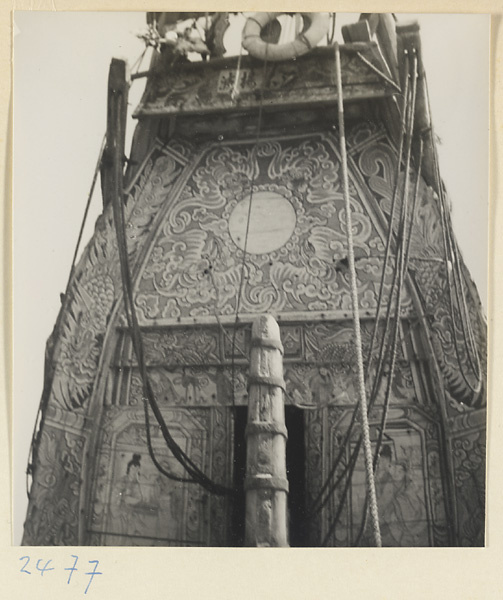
(183, 213)
(194, 265)
(411, 494)
(54, 508)
(135, 505)
(208, 87)
(468, 447)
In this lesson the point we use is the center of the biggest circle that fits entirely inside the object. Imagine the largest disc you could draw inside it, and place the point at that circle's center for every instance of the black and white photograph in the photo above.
(250, 257)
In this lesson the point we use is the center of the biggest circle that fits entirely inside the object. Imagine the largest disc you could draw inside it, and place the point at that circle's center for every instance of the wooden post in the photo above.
(118, 90)
(266, 485)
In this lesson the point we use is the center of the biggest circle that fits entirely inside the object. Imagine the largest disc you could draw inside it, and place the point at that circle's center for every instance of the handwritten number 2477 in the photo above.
(44, 568)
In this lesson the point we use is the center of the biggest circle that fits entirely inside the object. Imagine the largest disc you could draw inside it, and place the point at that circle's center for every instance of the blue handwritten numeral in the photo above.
(43, 568)
(72, 569)
(92, 573)
(23, 568)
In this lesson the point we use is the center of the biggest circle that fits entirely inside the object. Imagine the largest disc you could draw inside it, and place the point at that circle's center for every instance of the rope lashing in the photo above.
(354, 303)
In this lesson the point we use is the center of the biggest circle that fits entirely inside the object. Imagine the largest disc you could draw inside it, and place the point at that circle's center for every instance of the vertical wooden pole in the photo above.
(118, 90)
(266, 485)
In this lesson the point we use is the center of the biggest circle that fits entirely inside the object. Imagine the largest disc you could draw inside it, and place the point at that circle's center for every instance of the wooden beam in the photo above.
(266, 485)
(118, 90)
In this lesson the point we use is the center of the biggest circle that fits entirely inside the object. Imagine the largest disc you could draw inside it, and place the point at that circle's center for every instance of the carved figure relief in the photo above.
(401, 499)
(139, 506)
(403, 486)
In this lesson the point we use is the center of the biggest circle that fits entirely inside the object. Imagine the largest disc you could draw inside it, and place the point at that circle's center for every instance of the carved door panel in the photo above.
(411, 495)
(135, 505)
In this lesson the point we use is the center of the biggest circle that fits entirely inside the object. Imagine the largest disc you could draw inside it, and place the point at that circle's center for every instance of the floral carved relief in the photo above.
(53, 514)
(97, 283)
(195, 266)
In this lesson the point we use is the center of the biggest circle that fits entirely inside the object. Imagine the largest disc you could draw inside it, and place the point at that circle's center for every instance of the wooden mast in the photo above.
(266, 484)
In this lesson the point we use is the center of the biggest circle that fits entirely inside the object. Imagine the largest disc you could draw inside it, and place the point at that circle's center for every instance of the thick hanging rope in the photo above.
(404, 251)
(195, 473)
(321, 501)
(398, 277)
(354, 301)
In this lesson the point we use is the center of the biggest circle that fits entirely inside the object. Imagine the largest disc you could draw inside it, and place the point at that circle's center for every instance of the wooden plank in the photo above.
(204, 88)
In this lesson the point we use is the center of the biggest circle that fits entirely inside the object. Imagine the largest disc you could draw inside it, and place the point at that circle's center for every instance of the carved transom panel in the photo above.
(296, 249)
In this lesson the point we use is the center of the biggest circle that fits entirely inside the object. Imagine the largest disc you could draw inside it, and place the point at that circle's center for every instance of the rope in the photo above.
(389, 238)
(197, 476)
(378, 72)
(217, 316)
(398, 279)
(448, 246)
(33, 451)
(138, 62)
(404, 266)
(354, 301)
(391, 349)
(247, 231)
(331, 35)
(120, 223)
(318, 500)
(350, 466)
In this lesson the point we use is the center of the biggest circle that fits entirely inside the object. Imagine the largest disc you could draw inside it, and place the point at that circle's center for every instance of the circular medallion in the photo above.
(272, 222)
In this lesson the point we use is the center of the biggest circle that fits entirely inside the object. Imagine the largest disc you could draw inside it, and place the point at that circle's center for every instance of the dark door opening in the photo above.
(296, 473)
(239, 471)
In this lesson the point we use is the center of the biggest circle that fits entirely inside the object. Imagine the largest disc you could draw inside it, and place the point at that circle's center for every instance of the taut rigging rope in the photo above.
(248, 220)
(407, 123)
(450, 252)
(32, 455)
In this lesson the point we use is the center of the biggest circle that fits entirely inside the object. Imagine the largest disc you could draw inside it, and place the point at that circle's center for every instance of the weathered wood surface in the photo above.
(266, 484)
(204, 87)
